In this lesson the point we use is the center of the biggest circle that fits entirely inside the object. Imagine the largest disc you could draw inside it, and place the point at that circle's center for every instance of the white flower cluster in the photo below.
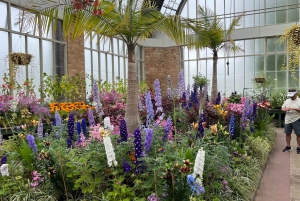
(110, 154)
(107, 124)
(199, 166)
(4, 170)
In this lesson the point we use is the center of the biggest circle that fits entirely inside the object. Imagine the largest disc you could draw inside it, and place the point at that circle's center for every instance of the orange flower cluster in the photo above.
(68, 107)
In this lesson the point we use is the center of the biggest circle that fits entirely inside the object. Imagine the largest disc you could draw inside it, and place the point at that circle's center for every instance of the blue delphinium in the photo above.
(31, 143)
(247, 112)
(57, 118)
(91, 117)
(183, 105)
(149, 106)
(200, 132)
(194, 95)
(158, 103)
(83, 126)
(3, 160)
(126, 166)
(148, 140)
(137, 144)
(78, 129)
(69, 143)
(181, 84)
(254, 111)
(71, 122)
(194, 186)
(188, 90)
(218, 99)
(40, 130)
(123, 131)
(167, 129)
(231, 126)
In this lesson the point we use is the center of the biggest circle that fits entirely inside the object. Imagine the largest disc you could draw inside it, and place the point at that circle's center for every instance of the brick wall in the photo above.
(161, 62)
(75, 56)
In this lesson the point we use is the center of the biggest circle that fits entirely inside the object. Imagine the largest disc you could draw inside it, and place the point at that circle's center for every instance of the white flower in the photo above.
(110, 154)
(199, 166)
(4, 170)
(107, 124)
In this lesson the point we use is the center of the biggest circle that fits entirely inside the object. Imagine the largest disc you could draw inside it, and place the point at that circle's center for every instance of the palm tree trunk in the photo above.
(214, 87)
(131, 110)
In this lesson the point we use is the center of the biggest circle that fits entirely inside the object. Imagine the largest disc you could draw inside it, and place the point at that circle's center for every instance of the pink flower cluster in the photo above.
(36, 179)
(235, 107)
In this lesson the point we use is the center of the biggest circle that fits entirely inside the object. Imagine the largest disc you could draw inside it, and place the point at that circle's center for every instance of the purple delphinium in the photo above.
(137, 144)
(96, 98)
(218, 99)
(71, 122)
(200, 132)
(153, 197)
(40, 130)
(188, 91)
(247, 111)
(183, 104)
(3, 160)
(140, 106)
(181, 84)
(31, 143)
(126, 166)
(167, 129)
(254, 111)
(149, 106)
(57, 118)
(78, 129)
(91, 117)
(123, 131)
(0, 139)
(231, 126)
(69, 143)
(83, 126)
(158, 103)
(148, 140)
(194, 95)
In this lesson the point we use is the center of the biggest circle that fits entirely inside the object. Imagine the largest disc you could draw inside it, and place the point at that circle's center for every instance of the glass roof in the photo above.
(170, 7)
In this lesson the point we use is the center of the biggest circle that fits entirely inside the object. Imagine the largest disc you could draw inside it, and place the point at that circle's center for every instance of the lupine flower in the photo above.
(199, 166)
(126, 166)
(140, 106)
(91, 117)
(137, 144)
(57, 118)
(153, 197)
(200, 132)
(71, 122)
(181, 84)
(3, 159)
(83, 125)
(78, 129)
(149, 107)
(98, 106)
(31, 143)
(4, 170)
(148, 139)
(40, 130)
(109, 150)
(69, 143)
(158, 103)
(231, 126)
(123, 131)
(167, 129)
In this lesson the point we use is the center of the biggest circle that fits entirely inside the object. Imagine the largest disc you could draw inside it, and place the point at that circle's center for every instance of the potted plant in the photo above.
(18, 58)
(260, 79)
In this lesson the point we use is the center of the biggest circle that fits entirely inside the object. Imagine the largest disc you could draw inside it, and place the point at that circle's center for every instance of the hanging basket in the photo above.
(295, 34)
(260, 80)
(20, 58)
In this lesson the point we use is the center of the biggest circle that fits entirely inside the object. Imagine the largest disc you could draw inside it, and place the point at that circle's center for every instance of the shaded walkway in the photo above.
(281, 178)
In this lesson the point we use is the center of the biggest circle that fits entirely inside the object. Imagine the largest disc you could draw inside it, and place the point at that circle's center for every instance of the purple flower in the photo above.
(254, 110)
(78, 128)
(181, 84)
(40, 130)
(123, 131)
(194, 186)
(91, 118)
(57, 118)
(3, 160)
(153, 197)
(148, 139)
(200, 127)
(31, 143)
(218, 99)
(71, 122)
(96, 97)
(183, 105)
(140, 106)
(126, 166)
(149, 106)
(167, 129)
(83, 125)
(0, 139)
(158, 103)
(194, 95)
(188, 90)
(138, 144)
(231, 126)
(69, 143)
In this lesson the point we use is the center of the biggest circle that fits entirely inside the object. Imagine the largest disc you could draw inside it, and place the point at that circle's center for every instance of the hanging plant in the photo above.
(291, 38)
(260, 79)
(18, 58)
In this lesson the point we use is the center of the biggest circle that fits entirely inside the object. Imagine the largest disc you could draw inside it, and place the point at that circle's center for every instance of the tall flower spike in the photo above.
(158, 103)
(231, 126)
(140, 106)
(109, 150)
(167, 129)
(181, 84)
(148, 140)
(199, 166)
(137, 144)
(31, 143)
(78, 129)
(0, 139)
(126, 166)
(57, 118)
(200, 126)
(71, 122)
(3, 159)
(169, 91)
(96, 97)
(40, 130)
(91, 117)
(149, 106)
(107, 124)
(83, 125)
(4, 170)
(123, 131)
(69, 143)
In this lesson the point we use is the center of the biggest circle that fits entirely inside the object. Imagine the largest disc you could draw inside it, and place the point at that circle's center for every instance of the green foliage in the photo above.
(26, 155)
(278, 99)
(200, 80)
(234, 98)
(143, 87)
(120, 191)
(263, 119)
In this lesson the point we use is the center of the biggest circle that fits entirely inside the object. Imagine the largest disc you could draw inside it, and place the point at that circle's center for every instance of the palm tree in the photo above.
(130, 20)
(208, 31)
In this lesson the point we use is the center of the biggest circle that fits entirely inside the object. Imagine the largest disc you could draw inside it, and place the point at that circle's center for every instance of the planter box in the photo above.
(280, 114)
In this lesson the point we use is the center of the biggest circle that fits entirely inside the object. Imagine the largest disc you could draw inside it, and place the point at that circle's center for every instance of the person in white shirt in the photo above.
(292, 119)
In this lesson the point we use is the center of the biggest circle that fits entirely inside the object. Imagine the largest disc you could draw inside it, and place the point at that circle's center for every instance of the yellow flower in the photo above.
(34, 122)
(214, 129)
(195, 125)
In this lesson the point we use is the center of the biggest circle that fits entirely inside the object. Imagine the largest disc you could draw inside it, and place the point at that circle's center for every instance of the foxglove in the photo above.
(40, 130)
(91, 118)
(31, 143)
(158, 103)
(71, 122)
(110, 154)
(148, 140)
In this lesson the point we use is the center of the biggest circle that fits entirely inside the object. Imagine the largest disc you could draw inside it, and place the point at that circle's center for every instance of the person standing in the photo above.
(292, 119)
